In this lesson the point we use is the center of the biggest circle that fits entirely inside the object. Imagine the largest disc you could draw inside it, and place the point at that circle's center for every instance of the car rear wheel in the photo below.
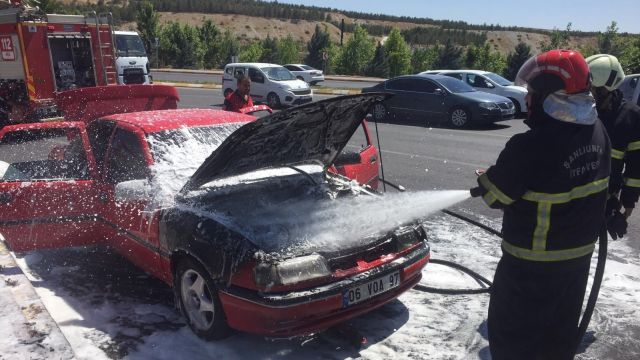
(227, 92)
(198, 300)
(273, 100)
(459, 118)
(379, 111)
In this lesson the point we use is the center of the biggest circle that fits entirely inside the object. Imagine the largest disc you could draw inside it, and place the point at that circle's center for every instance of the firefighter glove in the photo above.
(617, 225)
(476, 191)
(613, 206)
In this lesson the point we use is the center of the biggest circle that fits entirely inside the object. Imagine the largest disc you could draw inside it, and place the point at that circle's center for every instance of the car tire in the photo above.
(516, 105)
(227, 91)
(313, 83)
(273, 100)
(459, 117)
(197, 297)
(379, 112)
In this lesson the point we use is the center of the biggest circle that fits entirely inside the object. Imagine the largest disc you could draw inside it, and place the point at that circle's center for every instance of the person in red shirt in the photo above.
(240, 98)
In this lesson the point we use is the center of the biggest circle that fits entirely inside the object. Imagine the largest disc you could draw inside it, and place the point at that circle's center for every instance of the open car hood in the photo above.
(314, 132)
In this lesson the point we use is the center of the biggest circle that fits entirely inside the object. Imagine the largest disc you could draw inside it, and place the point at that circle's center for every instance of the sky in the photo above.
(584, 15)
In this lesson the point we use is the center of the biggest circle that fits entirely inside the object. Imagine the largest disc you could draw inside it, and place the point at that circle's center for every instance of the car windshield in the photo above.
(498, 79)
(455, 85)
(278, 73)
(178, 153)
(129, 45)
(307, 67)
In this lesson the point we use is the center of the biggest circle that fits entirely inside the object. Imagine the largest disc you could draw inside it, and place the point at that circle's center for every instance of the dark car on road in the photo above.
(440, 98)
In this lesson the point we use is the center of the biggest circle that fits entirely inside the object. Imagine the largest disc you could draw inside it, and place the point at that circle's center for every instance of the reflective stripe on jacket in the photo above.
(552, 184)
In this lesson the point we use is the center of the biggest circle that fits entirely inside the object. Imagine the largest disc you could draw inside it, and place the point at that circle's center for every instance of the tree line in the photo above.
(404, 52)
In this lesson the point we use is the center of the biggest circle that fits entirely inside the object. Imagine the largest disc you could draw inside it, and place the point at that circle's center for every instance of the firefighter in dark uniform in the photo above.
(551, 183)
(622, 121)
(240, 98)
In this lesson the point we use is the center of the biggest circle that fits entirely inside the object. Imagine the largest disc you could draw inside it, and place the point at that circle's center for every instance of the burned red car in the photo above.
(259, 238)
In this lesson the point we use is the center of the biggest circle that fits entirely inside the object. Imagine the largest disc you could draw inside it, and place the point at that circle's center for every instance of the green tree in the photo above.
(424, 59)
(251, 52)
(269, 50)
(288, 51)
(49, 6)
(210, 40)
(608, 42)
(170, 37)
(449, 56)
(630, 57)
(378, 66)
(320, 40)
(489, 60)
(471, 57)
(516, 59)
(398, 54)
(229, 47)
(559, 39)
(147, 24)
(357, 52)
(334, 53)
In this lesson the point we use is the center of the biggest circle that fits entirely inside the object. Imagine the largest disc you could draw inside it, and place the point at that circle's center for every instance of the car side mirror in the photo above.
(133, 190)
(489, 85)
(348, 158)
(439, 92)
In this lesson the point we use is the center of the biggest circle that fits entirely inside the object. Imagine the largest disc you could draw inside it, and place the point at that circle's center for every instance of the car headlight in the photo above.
(292, 271)
(488, 106)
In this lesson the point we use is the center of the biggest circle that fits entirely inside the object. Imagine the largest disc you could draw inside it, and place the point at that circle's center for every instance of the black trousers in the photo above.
(535, 308)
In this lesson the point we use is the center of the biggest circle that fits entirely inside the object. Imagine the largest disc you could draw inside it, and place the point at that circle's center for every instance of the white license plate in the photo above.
(370, 289)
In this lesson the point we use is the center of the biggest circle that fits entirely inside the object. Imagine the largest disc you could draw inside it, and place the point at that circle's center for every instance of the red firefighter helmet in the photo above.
(568, 65)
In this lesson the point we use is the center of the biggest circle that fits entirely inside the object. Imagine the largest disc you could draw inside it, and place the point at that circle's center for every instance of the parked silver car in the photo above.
(630, 88)
(306, 73)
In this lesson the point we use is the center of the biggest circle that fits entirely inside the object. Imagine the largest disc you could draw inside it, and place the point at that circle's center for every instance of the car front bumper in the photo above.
(312, 310)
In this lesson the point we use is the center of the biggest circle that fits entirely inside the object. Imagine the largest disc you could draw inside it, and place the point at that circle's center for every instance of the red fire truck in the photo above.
(44, 55)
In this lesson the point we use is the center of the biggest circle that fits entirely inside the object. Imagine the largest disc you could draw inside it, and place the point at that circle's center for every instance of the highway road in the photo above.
(217, 79)
(429, 157)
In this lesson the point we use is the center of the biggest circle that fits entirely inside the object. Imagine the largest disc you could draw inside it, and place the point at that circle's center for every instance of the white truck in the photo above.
(132, 63)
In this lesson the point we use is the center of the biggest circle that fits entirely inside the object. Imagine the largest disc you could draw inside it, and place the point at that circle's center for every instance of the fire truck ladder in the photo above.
(106, 48)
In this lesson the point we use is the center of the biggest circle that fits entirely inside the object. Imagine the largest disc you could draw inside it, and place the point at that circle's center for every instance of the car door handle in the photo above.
(372, 159)
(5, 198)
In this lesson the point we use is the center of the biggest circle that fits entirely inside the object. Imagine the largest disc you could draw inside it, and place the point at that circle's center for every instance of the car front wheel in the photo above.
(273, 100)
(198, 300)
(379, 112)
(459, 118)
(516, 105)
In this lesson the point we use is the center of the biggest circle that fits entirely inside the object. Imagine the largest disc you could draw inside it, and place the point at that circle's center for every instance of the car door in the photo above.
(404, 101)
(359, 159)
(429, 99)
(258, 84)
(48, 191)
(125, 184)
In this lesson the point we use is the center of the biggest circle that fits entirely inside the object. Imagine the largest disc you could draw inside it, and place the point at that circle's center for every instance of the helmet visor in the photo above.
(528, 71)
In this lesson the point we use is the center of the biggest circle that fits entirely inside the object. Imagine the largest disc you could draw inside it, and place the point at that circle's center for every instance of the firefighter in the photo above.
(240, 98)
(551, 183)
(622, 121)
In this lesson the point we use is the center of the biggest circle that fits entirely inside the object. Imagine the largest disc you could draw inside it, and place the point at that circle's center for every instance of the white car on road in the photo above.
(492, 83)
(270, 83)
(306, 73)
